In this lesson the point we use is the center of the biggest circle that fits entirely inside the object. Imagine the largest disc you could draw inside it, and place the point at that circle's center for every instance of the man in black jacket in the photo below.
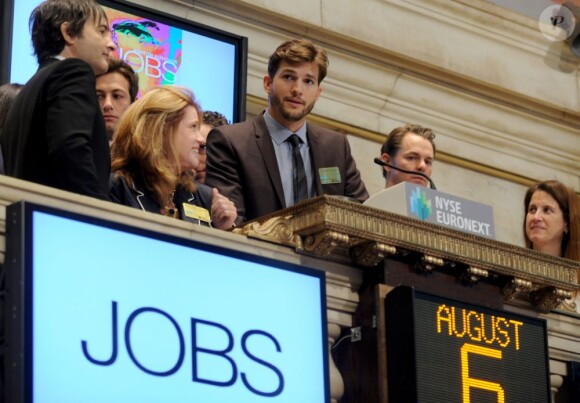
(55, 134)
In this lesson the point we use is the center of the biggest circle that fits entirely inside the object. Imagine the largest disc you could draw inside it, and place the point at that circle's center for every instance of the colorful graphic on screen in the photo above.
(153, 49)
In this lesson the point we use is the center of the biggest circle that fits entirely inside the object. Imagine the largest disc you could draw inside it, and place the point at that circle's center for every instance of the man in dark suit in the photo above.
(256, 165)
(55, 134)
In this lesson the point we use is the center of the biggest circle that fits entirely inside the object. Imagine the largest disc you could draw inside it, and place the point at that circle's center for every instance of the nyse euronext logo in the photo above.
(420, 205)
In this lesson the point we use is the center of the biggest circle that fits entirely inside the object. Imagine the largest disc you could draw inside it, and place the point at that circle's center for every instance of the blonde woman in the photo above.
(155, 152)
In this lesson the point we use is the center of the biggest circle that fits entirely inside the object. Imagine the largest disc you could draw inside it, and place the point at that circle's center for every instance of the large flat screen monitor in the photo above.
(163, 49)
(103, 312)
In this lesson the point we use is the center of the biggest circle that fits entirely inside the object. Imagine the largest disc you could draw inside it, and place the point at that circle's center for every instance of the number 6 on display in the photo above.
(478, 383)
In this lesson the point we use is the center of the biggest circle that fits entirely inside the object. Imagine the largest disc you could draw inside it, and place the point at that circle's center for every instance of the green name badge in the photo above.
(195, 212)
(329, 175)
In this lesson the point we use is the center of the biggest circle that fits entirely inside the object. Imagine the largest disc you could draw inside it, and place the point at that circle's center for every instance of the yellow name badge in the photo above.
(195, 212)
(329, 175)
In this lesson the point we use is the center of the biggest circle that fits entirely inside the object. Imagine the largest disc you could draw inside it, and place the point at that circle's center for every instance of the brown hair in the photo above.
(123, 68)
(46, 19)
(394, 140)
(144, 144)
(569, 203)
(214, 119)
(298, 51)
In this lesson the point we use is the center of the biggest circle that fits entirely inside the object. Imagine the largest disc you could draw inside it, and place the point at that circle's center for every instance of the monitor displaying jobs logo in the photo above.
(161, 49)
(119, 315)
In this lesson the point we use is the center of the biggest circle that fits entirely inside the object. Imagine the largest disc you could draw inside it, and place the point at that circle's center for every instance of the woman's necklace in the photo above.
(169, 209)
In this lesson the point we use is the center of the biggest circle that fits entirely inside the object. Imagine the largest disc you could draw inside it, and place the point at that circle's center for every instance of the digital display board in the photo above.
(162, 49)
(441, 350)
(102, 312)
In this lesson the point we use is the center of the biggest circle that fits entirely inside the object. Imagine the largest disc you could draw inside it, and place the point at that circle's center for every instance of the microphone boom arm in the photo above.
(379, 161)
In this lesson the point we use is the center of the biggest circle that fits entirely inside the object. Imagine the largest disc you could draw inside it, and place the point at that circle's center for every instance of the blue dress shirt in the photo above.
(283, 150)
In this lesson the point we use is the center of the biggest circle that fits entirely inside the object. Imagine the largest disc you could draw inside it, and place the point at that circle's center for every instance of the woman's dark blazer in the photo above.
(139, 197)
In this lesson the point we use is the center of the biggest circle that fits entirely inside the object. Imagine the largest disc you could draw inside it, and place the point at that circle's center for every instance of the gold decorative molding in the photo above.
(326, 243)
(548, 298)
(371, 253)
(428, 263)
(515, 287)
(569, 305)
(334, 228)
(472, 275)
(278, 228)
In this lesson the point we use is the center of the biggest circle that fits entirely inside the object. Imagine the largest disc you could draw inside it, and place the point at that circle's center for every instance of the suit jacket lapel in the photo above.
(315, 155)
(264, 143)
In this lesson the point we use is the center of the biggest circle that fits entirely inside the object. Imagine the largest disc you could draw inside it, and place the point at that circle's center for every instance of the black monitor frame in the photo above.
(6, 17)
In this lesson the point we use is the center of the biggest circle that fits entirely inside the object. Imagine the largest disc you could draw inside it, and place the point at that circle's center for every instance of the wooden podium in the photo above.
(394, 250)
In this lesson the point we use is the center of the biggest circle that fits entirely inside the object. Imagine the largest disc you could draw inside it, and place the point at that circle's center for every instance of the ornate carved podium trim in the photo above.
(334, 228)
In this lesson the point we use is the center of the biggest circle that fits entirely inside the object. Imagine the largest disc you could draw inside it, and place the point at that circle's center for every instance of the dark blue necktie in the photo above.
(300, 183)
